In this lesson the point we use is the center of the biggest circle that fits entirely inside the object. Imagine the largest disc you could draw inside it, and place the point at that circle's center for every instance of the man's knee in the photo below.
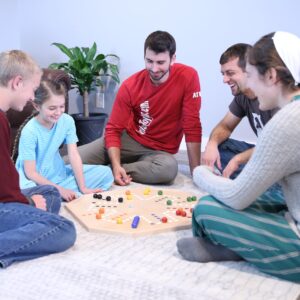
(228, 144)
(234, 146)
(168, 167)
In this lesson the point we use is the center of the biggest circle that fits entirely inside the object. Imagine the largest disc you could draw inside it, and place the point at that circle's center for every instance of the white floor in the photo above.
(103, 266)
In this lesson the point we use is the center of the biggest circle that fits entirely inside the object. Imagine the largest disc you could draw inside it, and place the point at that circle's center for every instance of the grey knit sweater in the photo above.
(275, 159)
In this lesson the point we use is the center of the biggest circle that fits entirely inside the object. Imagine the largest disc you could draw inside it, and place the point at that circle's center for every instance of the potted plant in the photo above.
(87, 69)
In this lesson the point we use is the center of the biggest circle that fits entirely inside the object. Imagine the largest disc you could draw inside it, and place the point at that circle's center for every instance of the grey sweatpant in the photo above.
(143, 164)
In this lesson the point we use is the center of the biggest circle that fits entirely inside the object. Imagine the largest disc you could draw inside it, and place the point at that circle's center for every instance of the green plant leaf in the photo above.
(78, 54)
(85, 50)
(86, 68)
(92, 52)
(98, 65)
(100, 57)
(115, 78)
(113, 68)
(64, 49)
(56, 66)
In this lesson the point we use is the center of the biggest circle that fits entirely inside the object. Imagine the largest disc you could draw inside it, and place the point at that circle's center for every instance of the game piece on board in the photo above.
(120, 199)
(95, 196)
(108, 198)
(129, 197)
(194, 198)
(150, 210)
(164, 219)
(99, 196)
(160, 192)
(135, 222)
(189, 199)
(119, 220)
(169, 202)
(191, 209)
(101, 210)
(127, 192)
(98, 216)
(183, 213)
(147, 191)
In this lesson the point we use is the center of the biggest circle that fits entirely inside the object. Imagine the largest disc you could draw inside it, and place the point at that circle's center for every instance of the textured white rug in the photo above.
(102, 266)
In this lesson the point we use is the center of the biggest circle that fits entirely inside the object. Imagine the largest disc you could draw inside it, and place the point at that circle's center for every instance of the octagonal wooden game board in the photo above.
(142, 211)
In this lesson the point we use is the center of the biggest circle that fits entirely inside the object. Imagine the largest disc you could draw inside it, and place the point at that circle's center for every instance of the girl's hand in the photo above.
(86, 190)
(66, 194)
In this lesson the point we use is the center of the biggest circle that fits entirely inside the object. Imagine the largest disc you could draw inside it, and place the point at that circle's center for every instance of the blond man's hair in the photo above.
(16, 63)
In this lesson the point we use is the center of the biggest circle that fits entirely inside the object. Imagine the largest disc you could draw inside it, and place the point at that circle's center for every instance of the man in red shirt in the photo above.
(153, 109)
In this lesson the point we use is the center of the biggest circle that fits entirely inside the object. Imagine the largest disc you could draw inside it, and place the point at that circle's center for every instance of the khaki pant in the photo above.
(143, 164)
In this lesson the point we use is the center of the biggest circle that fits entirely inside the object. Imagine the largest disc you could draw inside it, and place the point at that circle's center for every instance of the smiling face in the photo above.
(51, 110)
(234, 76)
(266, 87)
(158, 65)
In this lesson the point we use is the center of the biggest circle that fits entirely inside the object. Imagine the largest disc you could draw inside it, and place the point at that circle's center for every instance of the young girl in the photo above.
(242, 220)
(39, 161)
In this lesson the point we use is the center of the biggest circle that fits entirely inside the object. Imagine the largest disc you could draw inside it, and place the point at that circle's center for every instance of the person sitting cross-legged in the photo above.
(152, 111)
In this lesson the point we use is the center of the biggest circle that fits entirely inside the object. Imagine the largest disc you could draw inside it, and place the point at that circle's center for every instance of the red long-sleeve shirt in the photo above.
(9, 177)
(157, 116)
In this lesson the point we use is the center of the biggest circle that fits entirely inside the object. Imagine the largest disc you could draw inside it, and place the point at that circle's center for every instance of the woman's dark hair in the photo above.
(264, 56)
(160, 41)
(236, 51)
(42, 94)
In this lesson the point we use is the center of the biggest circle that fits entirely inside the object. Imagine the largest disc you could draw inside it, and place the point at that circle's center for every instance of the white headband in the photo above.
(288, 47)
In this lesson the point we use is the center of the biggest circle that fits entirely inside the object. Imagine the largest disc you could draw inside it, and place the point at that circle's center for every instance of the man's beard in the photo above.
(155, 79)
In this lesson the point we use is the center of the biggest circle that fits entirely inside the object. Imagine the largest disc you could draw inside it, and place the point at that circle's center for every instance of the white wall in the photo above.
(9, 25)
(202, 29)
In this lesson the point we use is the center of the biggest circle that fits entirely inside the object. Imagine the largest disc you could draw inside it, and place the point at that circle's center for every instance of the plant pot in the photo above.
(89, 128)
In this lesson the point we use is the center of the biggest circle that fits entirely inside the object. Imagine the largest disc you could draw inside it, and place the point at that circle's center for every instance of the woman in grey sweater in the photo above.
(241, 219)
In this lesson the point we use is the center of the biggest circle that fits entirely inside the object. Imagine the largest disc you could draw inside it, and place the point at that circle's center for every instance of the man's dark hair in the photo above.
(236, 51)
(160, 41)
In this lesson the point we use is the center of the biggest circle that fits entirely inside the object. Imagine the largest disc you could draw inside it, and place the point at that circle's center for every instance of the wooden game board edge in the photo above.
(131, 233)
(134, 233)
